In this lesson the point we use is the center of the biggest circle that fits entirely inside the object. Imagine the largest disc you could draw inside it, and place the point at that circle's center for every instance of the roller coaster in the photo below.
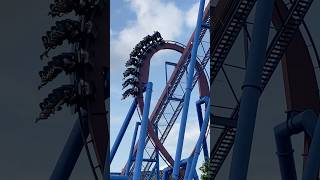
(165, 113)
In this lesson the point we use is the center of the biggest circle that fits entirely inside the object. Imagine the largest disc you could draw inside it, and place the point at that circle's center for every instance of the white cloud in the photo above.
(190, 138)
(192, 14)
(151, 16)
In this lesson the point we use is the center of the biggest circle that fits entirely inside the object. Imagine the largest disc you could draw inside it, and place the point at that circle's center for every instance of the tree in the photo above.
(205, 169)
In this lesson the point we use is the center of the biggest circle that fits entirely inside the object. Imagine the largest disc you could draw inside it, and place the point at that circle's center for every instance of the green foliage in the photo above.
(205, 169)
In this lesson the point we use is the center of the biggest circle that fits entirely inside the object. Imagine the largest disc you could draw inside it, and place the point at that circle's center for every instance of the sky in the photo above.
(130, 22)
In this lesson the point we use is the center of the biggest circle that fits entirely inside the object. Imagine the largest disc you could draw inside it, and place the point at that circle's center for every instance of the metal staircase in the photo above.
(275, 51)
(282, 39)
(226, 33)
(218, 155)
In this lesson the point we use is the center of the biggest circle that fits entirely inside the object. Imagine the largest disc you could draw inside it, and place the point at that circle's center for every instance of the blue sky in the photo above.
(131, 20)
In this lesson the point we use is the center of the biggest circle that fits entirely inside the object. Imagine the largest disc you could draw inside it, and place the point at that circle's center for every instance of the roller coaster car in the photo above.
(48, 74)
(52, 40)
(131, 71)
(56, 36)
(44, 72)
(47, 104)
(48, 43)
(135, 84)
(141, 56)
(131, 91)
(67, 25)
(68, 56)
(148, 40)
(139, 47)
(71, 28)
(157, 37)
(133, 53)
(129, 62)
(43, 106)
(137, 53)
(131, 81)
(134, 62)
(65, 29)
(58, 97)
(152, 45)
(61, 7)
(65, 61)
(42, 116)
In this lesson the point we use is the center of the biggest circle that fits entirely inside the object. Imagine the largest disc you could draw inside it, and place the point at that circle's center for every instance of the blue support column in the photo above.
(123, 129)
(165, 173)
(196, 177)
(143, 132)
(176, 167)
(200, 140)
(157, 166)
(152, 173)
(251, 91)
(189, 162)
(200, 119)
(118, 177)
(71, 152)
(132, 148)
(311, 169)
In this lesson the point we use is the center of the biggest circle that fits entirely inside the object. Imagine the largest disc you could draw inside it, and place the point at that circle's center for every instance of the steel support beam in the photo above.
(143, 133)
(201, 139)
(157, 165)
(251, 91)
(123, 129)
(131, 148)
(71, 151)
(311, 170)
(119, 177)
(297, 123)
(176, 167)
(223, 121)
(200, 119)
(165, 173)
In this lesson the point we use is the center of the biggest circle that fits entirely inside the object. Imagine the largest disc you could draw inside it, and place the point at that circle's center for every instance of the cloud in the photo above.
(154, 15)
(190, 138)
(150, 16)
(192, 14)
